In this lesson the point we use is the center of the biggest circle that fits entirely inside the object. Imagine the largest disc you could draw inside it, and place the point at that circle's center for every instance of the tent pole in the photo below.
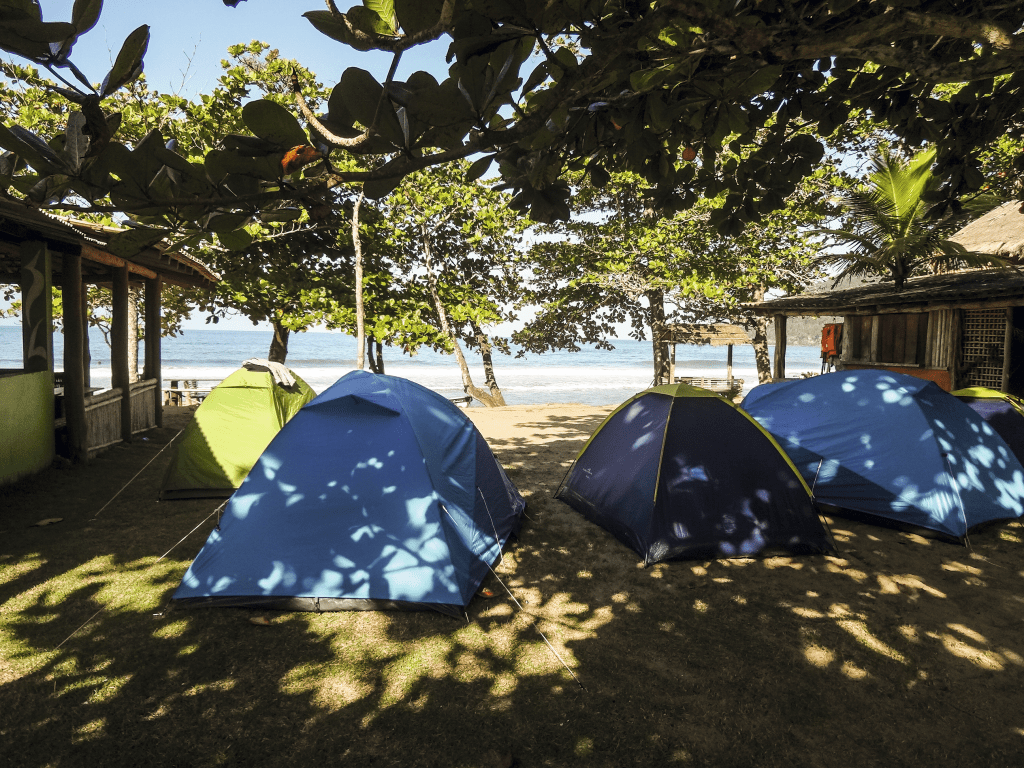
(960, 501)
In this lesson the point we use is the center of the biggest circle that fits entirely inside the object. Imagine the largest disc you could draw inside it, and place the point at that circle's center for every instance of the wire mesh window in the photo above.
(984, 333)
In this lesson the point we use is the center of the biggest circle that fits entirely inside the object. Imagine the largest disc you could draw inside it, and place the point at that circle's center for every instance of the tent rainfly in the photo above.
(378, 494)
(680, 472)
(894, 448)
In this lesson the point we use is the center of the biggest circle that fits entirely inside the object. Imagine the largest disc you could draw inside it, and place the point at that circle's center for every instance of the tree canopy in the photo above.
(544, 88)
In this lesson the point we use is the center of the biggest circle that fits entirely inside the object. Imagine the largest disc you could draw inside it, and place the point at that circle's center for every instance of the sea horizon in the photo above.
(591, 376)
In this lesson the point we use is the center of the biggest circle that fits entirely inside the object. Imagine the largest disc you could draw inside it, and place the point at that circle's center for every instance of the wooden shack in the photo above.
(37, 252)
(717, 335)
(958, 329)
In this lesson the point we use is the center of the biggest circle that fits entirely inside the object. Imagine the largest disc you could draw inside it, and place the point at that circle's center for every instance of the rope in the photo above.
(521, 609)
(169, 442)
(165, 554)
(534, 625)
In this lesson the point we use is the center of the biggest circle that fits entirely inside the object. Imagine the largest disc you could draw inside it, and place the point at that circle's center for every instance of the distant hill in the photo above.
(806, 331)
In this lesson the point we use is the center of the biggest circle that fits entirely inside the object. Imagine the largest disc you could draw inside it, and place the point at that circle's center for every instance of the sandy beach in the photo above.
(898, 650)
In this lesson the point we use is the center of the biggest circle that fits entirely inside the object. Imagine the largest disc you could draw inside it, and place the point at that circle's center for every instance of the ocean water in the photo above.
(591, 376)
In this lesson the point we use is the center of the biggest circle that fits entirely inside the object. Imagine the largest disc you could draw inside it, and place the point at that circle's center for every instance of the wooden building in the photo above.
(958, 329)
(37, 252)
(717, 335)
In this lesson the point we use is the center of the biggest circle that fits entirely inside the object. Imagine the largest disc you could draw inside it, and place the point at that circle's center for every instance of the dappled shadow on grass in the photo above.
(898, 650)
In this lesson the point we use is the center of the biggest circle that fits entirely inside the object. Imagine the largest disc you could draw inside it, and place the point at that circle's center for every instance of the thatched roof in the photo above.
(999, 287)
(719, 335)
(999, 232)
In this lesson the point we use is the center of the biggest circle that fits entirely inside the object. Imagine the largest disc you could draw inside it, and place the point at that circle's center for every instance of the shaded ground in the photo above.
(899, 651)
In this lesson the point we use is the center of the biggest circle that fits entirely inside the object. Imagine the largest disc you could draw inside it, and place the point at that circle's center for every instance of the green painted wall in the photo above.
(26, 424)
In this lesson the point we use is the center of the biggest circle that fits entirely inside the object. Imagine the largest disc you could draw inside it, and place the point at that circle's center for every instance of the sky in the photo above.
(190, 38)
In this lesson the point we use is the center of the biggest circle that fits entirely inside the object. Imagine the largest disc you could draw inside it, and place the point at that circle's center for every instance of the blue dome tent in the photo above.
(379, 493)
(895, 448)
(679, 472)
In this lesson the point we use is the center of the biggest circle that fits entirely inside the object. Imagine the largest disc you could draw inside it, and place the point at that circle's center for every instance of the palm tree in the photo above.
(890, 231)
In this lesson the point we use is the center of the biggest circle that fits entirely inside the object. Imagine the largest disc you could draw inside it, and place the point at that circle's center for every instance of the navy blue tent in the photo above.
(894, 447)
(1003, 412)
(379, 493)
(679, 472)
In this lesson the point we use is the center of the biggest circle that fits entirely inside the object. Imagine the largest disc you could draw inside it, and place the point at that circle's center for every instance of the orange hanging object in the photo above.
(297, 157)
(831, 340)
(689, 154)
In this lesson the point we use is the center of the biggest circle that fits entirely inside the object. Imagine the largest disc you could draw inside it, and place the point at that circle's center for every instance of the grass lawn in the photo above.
(898, 650)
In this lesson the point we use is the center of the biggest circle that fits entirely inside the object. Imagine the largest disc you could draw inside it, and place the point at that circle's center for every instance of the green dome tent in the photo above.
(229, 431)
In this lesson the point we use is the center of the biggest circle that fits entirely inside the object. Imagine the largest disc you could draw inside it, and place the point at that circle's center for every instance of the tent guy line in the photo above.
(111, 501)
(165, 554)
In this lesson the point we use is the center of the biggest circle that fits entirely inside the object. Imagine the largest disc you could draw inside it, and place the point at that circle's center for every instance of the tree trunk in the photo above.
(485, 355)
(279, 344)
(761, 357)
(360, 319)
(662, 372)
(374, 355)
(133, 335)
(467, 381)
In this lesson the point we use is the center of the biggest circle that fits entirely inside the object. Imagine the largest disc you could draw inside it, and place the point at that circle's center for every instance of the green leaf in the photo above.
(250, 146)
(30, 38)
(31, 148)
(235, 239)
(385, 10)
(378, 188)
(445, 105)
(227, 222)
(132, 241)
(326, 24)
(76, 143)
(478, 168)
(85, 14)
(367, 20)
(221, 163)
(273, 123)
(280, 215)
(362, 95)
(417, 15)
(128, 64)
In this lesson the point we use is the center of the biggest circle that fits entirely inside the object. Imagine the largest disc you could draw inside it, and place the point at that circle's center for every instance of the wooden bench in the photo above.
(729, 387)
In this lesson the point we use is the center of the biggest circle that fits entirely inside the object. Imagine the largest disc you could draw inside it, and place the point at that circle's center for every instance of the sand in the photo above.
(897, 650)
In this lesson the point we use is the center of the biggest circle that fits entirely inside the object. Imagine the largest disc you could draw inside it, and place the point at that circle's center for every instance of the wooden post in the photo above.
(86, 352)
(74, 359)
(152, 365)
(672, 365)
(780, 346)
(36, 307)
(876, 342)
(729, 365)
(119, 349)
(1007, 344)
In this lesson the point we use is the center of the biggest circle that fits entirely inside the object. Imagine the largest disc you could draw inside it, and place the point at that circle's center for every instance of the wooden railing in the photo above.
(103, 413)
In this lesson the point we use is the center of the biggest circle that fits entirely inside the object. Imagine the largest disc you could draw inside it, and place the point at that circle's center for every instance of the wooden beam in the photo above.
(729, 365)
(91, 253)
(152, 366)
(74, 359)
(780, 346)
(119, 349)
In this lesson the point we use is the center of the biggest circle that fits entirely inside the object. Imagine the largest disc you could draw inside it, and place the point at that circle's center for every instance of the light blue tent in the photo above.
(894, 447)
(379, 493)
